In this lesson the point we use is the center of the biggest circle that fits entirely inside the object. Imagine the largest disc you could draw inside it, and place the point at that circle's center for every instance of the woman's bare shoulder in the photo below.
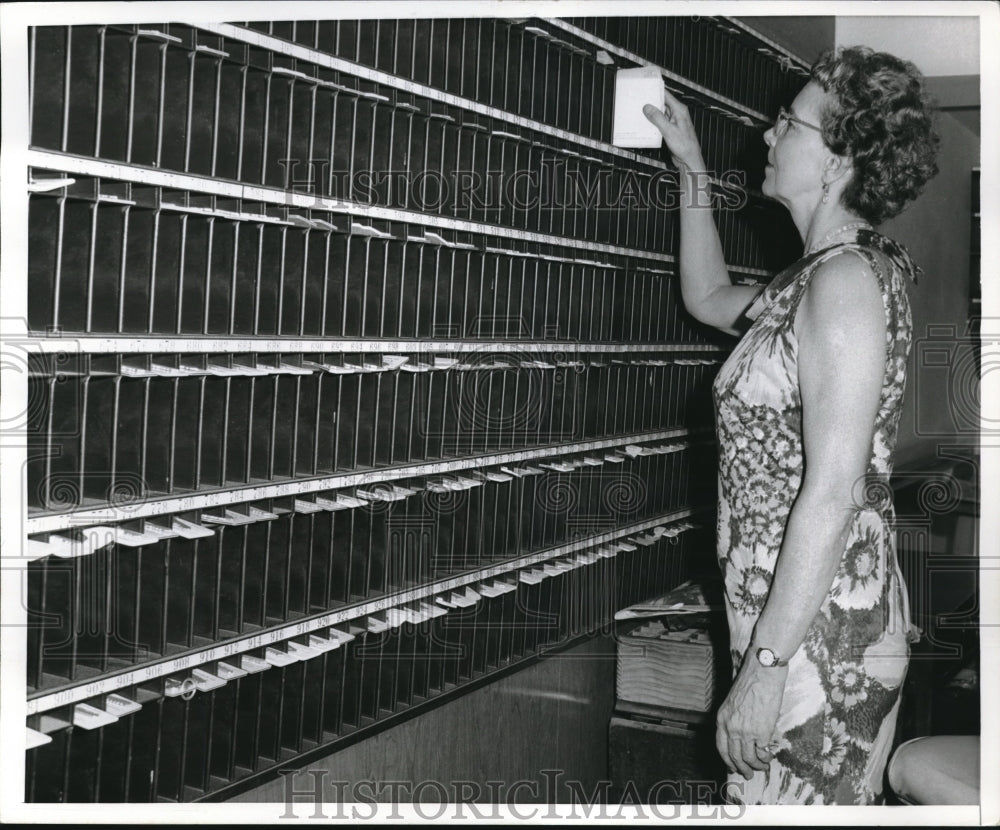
(843, 301)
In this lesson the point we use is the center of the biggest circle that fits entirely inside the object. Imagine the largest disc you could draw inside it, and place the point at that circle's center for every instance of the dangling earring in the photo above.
(826, 193)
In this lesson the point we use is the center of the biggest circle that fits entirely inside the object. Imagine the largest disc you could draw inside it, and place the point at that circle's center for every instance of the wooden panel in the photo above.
(553, 716)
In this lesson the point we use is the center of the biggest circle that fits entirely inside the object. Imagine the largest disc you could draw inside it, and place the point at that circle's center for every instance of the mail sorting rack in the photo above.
(718, 53)
(114, 428)
(314, 441)
(250, 565)
(117, 258)
(341, 131)
(210, 725)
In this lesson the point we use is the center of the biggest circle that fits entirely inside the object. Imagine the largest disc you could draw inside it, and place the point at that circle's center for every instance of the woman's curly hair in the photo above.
(881, 118)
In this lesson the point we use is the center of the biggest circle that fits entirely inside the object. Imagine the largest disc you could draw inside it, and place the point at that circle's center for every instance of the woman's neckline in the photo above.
(854, 225)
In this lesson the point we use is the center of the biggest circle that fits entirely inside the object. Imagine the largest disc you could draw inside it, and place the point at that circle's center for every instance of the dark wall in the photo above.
(941, 403)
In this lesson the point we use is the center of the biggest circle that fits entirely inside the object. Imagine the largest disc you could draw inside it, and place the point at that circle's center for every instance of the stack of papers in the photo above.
(688, 598)
(658, 667)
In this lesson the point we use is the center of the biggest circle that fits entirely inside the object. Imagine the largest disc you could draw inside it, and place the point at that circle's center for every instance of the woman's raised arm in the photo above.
(709, 294)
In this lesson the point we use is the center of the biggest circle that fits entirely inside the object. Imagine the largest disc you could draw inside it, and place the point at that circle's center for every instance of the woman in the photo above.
(807, 407)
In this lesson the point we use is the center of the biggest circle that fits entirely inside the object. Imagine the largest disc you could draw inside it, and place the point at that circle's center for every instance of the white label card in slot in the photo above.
(342, 636)
(45, 185)
(276, 657)
(158, 35)
(221, 520)
(162, 371)
(252, 665)
(36, 739)
(376, 626)
(379, 494)
(302, 652)
(321, 644)
(239, 518)
(394, 361)
(65, 547)
(432, 610)
(206, 681)
(90, 717)
(242, 370)
(395, 617)
(119, 705)
(132, 538)
(221, 371)
(159, 532)
(368, 230)
(190, 530)
(136, 372)
(229, 672)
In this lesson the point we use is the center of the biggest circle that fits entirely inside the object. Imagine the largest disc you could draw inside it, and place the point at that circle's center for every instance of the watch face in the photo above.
(766, 657)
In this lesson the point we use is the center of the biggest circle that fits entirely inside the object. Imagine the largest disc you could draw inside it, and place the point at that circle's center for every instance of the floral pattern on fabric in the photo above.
(842, 692)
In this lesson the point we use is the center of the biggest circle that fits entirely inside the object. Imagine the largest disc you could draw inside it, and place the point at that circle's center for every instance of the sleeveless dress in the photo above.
(837, 719)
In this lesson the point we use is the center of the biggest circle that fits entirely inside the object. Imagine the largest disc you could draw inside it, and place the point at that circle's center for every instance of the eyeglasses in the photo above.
(781, 123)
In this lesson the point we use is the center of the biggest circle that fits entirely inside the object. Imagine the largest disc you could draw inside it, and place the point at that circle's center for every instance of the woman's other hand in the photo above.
(746, 720)
(674, 124)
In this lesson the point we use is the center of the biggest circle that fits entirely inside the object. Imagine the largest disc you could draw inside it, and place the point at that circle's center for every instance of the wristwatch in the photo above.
(768, 659)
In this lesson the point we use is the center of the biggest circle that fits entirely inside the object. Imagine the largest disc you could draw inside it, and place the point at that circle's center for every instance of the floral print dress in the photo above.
(838, 714)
